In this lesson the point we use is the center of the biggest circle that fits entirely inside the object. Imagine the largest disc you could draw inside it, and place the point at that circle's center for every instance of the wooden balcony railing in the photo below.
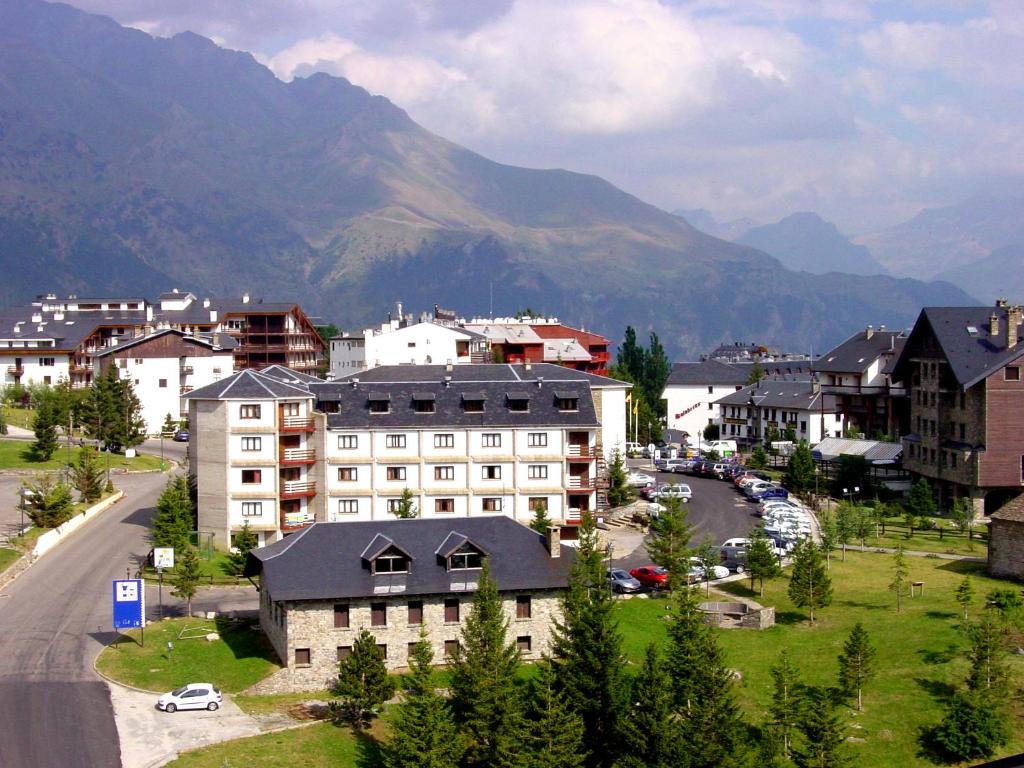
(297, 424)
(298, 455)
(580, 452)
(298, 488)
(580, 483)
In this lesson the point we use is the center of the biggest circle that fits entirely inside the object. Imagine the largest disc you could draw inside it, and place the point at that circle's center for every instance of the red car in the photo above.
(652, 576)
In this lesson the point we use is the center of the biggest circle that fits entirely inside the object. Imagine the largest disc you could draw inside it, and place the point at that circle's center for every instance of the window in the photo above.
(252, 443)
(162, 383)
(394, 506)
(444, 440)
(248, 412)
(1011, 373)
(380, 406)
(251, 476)
(396, 473)
(537, 471)
(491, 440)
(537, 502)
(348, 474)
(451, 647)
(444, 472)
(569, 403)
(451, 610)
(963, 400)
(341, 616)
(415, 612)
(344, 651)
(394, 441)
(473, 406)
(491, 472)
(465, 558)
(537, 439)
(952, 459)
(711, 390)
(290, 409)
(519, 404)
(444, 506)
(138, 361)
(252, 509)
(491, 504)
(803, 426)
(524, 607)
(423, 406)
(524, 644)
(410, 652)
(383, 648)
(49, 361)
(302, 658)
(348, 506)
(48, 380)
(711, 407)
(378, 614)
(348, 442)
(963, 431)
(391, 561)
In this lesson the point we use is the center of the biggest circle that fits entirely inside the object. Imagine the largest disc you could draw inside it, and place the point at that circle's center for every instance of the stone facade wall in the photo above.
(1006, 549)
(310, 624)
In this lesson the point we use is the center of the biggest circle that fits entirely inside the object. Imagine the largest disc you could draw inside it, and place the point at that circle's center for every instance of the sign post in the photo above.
(163, 557)
(129, 603)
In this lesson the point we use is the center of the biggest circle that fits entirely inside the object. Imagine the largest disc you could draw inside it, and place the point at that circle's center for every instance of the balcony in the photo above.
(292, 521)
(297, 489)
(77, 367)
(297, 456)
(297, 424)
(580, 483)
(185, 389)
(581, 452)
(15, 370)
(187, 370)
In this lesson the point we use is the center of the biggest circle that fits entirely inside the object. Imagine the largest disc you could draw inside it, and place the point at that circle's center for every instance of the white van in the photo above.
(723, 448)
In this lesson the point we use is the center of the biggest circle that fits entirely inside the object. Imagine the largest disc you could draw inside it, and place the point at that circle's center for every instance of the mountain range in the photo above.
(131, 164)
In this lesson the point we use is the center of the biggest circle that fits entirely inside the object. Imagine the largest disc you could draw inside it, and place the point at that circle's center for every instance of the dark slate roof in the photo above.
(972, 354)
(326, 561)
(716, 372)
(225, 342)
(1012, 510)
(248, 385)
(351, 402)
(68, 332)
(483, 372)
(288, 376)
(857, 352)
(775, 393)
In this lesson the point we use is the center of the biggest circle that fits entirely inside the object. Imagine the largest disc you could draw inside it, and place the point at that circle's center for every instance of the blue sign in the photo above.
(129, 603)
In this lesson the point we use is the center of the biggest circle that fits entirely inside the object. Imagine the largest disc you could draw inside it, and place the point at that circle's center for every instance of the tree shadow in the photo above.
(937, 689)
(861, 605)
(928, 748)
(942, 615)
(242, 635)
(368, 751)
(965, 567)
(931, 656)
(789, 618)
(142, 517)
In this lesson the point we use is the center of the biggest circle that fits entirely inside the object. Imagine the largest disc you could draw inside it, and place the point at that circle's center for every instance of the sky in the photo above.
(864, 112)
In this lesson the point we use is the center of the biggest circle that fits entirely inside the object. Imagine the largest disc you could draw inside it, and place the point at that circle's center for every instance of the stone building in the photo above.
(320, 587)
(1006, 540)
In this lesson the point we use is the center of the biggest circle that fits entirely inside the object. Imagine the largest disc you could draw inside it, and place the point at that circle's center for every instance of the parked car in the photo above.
(684, 466)
(648, 491)
(750, 475)
(674, 491)
(622, 582)
(654, 509)
(639, 479)
(771, 492)
(698, 573)
(191, 696)
(734, 554)
(633, 449)
(181, 436)
(672, 465)
(651, 576)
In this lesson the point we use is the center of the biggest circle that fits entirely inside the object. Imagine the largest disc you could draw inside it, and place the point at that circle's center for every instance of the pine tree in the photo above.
(87, 475)
(587, 648)
(987, 655)
(541, 522)
(762, 562)
(920, 502)
(112, 412)
(963, 516)
(186, 575)
(669, 542)
(555, 736)
(828, 532)
(423, 732)
(809, 583)
(651, 734)
(973, 728)
(245, 541)
(50, 504)
(846, 525)
(856, 663)
(786, 700)
(965, 595)
(757, 373)
(707, 556)
(172, 523)
(485, 698)
(822, 731)
(406, 506)
(758, 458)
(655, 375)
(800, 469)
(363, 683)
(619, 491)
(44, 424)
(169, 425)
(630, 357)
(899, 575)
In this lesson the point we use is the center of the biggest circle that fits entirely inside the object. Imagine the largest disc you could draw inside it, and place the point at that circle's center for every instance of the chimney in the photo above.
(993, 325)
(1014, 315)
(553, 540)
(206, 303)
(448, 368)
(528, 367)
(1001, 303)
(540, 382)
(881, 329)
(213, 315)
(216, 341)
(245, 297)
(869, 332)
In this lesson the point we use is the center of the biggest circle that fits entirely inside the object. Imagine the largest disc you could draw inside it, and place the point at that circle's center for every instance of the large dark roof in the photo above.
(248, 384)
(1011, 510)
(325, 561)
(716, 372)
(963, 335)
(68, 332)
(857, 352)
(775, 393)
(225, 342)
(289, 376)
(480, 372)
(349, 404)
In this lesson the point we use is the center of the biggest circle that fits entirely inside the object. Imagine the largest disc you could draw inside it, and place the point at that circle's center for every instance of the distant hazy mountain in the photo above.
(938, 240)
(806, 242)
(705, 221)
(133, 164)
(998, 275)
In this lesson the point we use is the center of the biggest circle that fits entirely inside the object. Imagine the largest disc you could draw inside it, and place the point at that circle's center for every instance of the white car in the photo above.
(697, 571)
(191, 696)
(639, 479)
(674, 491)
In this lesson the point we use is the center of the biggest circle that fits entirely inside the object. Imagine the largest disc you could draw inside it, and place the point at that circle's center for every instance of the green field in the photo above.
(7, 557)
(951, 541)
(240, 658)
(17, 454)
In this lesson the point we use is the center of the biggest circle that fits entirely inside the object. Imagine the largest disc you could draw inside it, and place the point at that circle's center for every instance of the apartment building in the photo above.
(467, 441)
(396, 343)
(322, 586)
(543, 340)
(747, 414)
(962, 370)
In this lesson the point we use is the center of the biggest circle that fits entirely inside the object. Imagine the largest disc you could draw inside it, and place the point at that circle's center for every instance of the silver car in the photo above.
(622, 582)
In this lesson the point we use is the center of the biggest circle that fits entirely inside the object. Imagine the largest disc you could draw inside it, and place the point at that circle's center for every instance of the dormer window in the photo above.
(567, 401)
(385, 557)
(518, 402)
(473, 402)
(380, 402)
(423, 402)
(460, 554)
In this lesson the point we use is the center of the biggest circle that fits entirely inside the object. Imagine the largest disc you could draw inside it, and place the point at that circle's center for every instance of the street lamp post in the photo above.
(851, 493)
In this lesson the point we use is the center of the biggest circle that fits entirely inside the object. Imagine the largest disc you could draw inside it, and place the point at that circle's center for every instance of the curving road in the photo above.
(54, 620)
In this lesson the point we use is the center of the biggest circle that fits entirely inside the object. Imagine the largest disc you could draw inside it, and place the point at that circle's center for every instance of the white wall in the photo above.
(33, 371)
(613, 419)
(696, 404)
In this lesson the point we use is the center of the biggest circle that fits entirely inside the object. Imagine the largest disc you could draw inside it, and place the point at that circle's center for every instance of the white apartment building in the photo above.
(282, 451)
(397, 343)
(746, 415)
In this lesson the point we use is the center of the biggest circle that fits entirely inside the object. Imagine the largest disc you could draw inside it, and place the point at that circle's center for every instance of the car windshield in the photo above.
(660, 571)
(620, 575)
(179, 691)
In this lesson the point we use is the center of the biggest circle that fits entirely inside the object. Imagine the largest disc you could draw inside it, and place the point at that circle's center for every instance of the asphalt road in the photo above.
(55, 619)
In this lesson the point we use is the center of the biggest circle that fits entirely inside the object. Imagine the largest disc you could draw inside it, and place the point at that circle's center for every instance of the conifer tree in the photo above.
(822, 745)
(541, 522)
(555, 731)
(762, 562)
(186, 575)
(758, 458)
(363, 683)
(856, 663)
(619, 491)
(87, 474)
(669, 543)
(965, 595)
(587, 651)
(50, 503)
(785, 707)
(973, 728)
(245, 541)
(172, 523)
(809, 583)
(651, 735)
(899, 575)
(406, 508)
(987, 655)
(800, 469)
(423, 732)
(44, 424)
(485, 698)
(920, 502)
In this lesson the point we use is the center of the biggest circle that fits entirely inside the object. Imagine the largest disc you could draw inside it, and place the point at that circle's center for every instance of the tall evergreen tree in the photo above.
(856, 663)
(423, 732)
(828, 533)
(245, 542)
(112, 413)
(965, 595)
(756, 372)
(406, 508)
(587, 648)
(920, 501)
(973, 728)
(822, 745)
(485, 698)
(669, 542)
(899, 575)
(555, 731)
(651, 734)
(630, 357)
(172, 523)
(784, 710)
(989, 675)
(619, 491)
(44, 424)
(800, 469)
(809, 583)
(186, 575)
(50, 503)
(87, 475)
(540, 522)
(363, 683)
(762, 562)
(656, 370)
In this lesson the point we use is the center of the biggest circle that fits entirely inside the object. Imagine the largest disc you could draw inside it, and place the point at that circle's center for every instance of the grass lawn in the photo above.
(17, 454)
(19, 417)
(919, 659)
(240, 658)
(317, 746)
(952, 541)
(7, 556)
(214, 571)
